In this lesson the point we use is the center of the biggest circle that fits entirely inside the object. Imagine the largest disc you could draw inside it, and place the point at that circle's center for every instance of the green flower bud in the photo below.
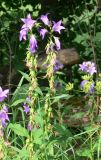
(69, 86)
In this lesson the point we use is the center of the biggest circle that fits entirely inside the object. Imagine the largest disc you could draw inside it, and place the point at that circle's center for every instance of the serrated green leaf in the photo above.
(18, 129)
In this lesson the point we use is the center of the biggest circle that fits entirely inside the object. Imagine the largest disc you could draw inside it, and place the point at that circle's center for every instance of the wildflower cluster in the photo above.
(4, 110)
(44, 28)
(51, 27)
(87, 85)
(88, 67)
(3, 118)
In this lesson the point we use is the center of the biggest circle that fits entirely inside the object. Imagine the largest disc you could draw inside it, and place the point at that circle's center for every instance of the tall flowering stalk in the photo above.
(45, 27)
(50, 61)
(51, 50)
(31, 63)
(3, 119)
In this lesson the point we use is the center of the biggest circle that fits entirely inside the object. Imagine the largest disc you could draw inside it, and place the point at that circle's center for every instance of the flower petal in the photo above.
(45, 19)
(57, 42)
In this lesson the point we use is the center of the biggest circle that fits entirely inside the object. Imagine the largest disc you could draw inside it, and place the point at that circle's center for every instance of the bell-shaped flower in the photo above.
(87, 86)
(88, 67)
(57, 26)
(33, 44)
(45, 19)
(58, 65)
(23, 34)
(43, 32)
(57, 43)
(3, 94)
(83, 83)
(26, 109)
(4, 116)
(28, 22)
(91, 88)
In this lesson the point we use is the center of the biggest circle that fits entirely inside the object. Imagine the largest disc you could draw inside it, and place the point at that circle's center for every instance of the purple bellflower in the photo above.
(26, 105)
(91, 88)
(28, 22)
(83, 66)
(57, 42)
(33, 44)
(4, 116)
(88, 67)
(58, 66)
(45, 19)
(83, 83)
(26, 108)
(43, 32)
(3, 94)
(23, 34)
(57, 26)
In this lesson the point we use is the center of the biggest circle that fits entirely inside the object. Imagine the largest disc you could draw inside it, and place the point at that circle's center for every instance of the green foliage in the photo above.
(18, 129)
(76, 131)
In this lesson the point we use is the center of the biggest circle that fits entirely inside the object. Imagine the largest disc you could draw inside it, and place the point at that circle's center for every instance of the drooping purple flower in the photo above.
(33, 44)
(26, 108)
(4, 116)
(88, 67)
(57, 26)
(58, 66)
(91, 87)
(57, 42)
(23, 34)
(28, 22)
(45, 19)
(3, 94)
(83, 83)
(43, 32)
